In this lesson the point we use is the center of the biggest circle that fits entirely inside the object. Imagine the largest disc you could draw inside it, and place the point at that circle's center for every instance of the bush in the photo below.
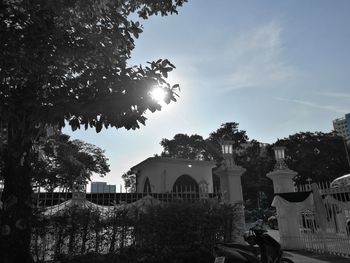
(175, 232)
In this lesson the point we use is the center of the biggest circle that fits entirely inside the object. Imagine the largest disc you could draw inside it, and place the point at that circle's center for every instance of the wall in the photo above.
(163, 172)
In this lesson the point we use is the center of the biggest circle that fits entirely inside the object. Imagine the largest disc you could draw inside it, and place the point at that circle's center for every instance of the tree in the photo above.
(196, 148)
(64, 161)
(258, 160)
(67, 62)
(227, 131)
(129, 181)
(318, 156)
(185, 146)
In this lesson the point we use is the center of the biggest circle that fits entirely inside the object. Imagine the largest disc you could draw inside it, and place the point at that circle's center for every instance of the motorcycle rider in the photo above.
(269, 247)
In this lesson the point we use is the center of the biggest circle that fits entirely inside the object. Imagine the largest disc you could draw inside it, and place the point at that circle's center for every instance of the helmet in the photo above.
(249, 237)
(259, 226)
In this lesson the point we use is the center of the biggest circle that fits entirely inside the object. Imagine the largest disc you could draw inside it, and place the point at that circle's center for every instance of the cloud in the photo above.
(314, 105)
(257, 59)
(336, 94)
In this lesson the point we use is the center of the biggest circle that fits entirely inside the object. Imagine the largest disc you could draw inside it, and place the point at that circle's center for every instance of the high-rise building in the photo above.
(342, 126)
(102, 187)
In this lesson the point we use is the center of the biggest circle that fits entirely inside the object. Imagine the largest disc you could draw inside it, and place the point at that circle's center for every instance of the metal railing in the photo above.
(326, 229)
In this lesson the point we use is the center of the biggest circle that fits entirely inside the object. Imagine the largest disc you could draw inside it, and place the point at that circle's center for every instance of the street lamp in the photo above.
(227, 150)
(279, 152)
(279, 156)
(226, 147)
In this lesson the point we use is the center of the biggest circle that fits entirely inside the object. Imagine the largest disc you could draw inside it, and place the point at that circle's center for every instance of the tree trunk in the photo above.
(16, 216)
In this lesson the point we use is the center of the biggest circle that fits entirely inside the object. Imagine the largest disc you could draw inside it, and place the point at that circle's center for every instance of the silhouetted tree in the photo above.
(185, 146)
(63, 161)
(227, 131)
(67, 62)
(129, 181)
(258, 160)
(196, 148)
(315, 155)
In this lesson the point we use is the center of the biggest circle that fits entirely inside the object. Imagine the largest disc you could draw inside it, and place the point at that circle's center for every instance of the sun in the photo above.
(158, 94)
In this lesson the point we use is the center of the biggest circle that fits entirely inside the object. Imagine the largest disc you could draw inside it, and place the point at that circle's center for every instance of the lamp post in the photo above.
(226, 147)
(227, 151)
(281, 175)
(280, 156)
(231, 188)
(287, 216)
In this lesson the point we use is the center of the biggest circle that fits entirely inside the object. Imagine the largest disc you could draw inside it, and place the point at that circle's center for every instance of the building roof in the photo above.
(153, 160)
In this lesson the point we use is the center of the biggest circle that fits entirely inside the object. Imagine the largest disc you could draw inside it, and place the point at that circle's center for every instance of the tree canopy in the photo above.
(228, 131)
(62, 161)
(67, 62)
(196, 148)
(258, 160)
(315, 155)
(185, 146)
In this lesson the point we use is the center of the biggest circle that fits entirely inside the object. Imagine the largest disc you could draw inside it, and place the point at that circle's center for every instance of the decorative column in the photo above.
(231, 189)
(287, 215)
(281, 176)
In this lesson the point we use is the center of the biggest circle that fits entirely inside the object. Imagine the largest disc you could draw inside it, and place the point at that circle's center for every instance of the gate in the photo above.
(325, 227)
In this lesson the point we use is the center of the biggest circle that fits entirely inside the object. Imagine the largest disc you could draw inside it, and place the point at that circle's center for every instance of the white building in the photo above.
(165, 175)
(342, 126)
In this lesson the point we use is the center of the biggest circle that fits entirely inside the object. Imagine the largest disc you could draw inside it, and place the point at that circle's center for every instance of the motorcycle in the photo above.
(268, 250)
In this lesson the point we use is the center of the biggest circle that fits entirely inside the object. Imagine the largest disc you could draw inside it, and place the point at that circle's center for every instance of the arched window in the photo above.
(147, 186)
(185, 184)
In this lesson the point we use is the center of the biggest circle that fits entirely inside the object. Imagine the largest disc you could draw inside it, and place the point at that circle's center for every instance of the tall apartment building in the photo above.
(102, 187)
(342, 126)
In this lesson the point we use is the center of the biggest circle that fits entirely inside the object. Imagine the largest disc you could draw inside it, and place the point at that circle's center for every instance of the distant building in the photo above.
(342, 126)
(102, 187)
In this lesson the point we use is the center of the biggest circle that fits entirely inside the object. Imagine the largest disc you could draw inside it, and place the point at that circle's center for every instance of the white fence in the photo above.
(325, 227)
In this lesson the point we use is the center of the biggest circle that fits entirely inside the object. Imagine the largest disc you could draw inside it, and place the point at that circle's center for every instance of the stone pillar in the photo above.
(287, 215)
(231, 190)
(282, 180)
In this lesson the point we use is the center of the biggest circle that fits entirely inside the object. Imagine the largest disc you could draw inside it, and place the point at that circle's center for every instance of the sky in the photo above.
(275, 67)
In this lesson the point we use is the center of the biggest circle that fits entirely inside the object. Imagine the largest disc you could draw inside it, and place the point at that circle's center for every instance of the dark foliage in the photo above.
(63, 161)
(67, 62)
(257, 188)
(185, 146)
(318, 156)
(177, 232)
